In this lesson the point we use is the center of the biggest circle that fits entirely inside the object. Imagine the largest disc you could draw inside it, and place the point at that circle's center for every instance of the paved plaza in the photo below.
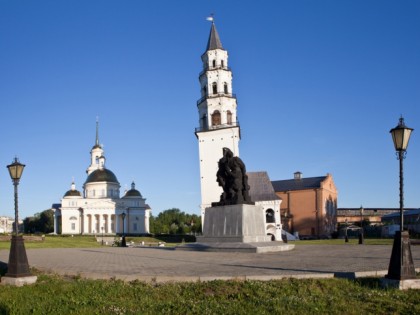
(165, 264)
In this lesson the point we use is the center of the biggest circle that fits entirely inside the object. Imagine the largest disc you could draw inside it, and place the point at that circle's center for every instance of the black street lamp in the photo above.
(123, 243)
(401, 265)
(361, 236)
(346, 238)
(102, 228)
(18, 266)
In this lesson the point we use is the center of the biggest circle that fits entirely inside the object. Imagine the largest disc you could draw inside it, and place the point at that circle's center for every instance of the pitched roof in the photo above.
(214, 39)
(298, 184)
(260, 187)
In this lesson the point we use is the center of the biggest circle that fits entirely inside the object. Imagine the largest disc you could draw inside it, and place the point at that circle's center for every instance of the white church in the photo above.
(218, 128)
(100, 209)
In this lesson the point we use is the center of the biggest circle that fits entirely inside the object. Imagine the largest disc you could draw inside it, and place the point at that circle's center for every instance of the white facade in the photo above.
(6, 224)
(100, 210)
(218, 123)
(273, 225)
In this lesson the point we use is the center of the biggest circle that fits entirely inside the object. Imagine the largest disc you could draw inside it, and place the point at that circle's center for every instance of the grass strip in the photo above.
(64, 295)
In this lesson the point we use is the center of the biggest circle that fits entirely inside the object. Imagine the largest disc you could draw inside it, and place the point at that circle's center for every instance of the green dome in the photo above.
(101, 175)
(73, 193)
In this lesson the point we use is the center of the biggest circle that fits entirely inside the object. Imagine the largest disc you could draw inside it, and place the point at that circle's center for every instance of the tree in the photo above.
(41, 222)
(30, 225)
(46, 221)
(175, 221)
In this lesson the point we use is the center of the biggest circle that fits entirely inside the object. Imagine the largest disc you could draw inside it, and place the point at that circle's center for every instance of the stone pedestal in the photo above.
(235, 228)
(401, 266)
(18, 273)
(18, 282)
(235, 223)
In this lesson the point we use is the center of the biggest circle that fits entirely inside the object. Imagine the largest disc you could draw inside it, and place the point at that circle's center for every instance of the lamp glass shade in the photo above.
(401, 135)
(16, 169)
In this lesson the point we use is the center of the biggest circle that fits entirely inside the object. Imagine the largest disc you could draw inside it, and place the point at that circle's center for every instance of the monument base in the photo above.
(400, 284)
(18, 282)
(235, 228)
(237, 247)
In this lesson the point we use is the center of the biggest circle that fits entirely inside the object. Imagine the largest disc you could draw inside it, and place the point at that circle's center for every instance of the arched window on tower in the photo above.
(214, 87)
(229, 117)
(215, 118)
(214, 63)
(269, 216)
(204, 90)
(223, 63)
(225, 88)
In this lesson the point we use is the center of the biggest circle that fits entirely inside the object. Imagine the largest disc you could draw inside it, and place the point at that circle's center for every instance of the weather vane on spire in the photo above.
(210, 18)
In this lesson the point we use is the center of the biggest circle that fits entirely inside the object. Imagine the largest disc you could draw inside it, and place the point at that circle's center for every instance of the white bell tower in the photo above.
(218, 124)
(97, 158)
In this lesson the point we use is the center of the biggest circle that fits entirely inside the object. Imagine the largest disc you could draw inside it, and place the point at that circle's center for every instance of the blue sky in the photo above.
(319, 85)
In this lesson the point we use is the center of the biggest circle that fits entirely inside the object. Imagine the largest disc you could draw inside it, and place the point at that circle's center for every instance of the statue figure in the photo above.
(232, 177)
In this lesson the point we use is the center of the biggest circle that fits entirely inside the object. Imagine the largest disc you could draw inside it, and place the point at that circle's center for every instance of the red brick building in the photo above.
(309, 205)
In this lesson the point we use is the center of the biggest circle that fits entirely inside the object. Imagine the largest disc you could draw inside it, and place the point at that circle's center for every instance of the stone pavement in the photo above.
(162, 264)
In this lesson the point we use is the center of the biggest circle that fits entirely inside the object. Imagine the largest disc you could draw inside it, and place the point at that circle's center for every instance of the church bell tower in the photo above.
(218, 123)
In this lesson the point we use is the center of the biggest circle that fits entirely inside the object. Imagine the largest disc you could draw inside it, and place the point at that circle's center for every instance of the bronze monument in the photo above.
(232, 177)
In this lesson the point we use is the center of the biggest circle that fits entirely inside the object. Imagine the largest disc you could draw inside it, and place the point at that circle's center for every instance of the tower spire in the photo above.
(214, 39)
(97, 132)
(97, 159)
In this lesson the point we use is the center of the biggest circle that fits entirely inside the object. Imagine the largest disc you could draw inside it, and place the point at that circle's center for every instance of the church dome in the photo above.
(133, 192)
(72, 193)
(101, 175)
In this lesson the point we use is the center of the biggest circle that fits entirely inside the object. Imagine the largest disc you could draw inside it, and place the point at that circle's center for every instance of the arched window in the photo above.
(215, 118)
(269, 216)
(223, 63)
(204, 90)
(214, 63)
(229, 117)
(225, 88)
(214, 86)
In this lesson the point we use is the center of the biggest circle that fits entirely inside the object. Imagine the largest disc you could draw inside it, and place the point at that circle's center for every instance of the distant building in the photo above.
(355, 215)
(6, 224)
(309, 205)
(100, 209)
(411, 219)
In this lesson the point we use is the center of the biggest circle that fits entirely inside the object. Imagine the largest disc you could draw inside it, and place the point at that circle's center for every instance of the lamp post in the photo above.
(401, 265)
(102, 228)
(18, 266)
(346, 238)
(123, 243)
(361, 236)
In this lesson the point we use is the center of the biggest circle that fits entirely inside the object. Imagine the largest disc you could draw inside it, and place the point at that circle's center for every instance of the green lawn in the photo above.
(57, 295)
(58, 242)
